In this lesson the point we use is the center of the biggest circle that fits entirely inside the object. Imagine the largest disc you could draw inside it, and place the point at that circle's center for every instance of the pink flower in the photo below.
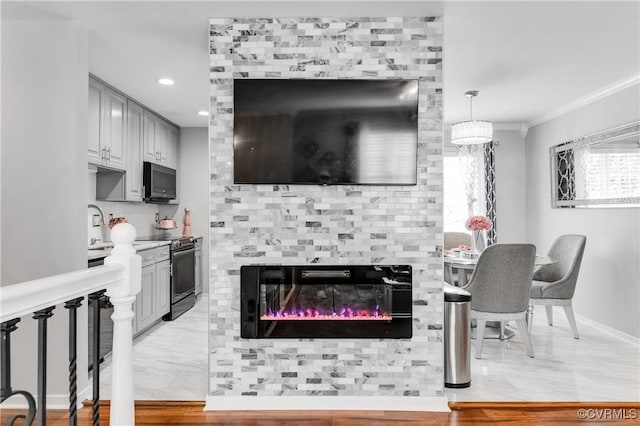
(116, 220)
(478, 223)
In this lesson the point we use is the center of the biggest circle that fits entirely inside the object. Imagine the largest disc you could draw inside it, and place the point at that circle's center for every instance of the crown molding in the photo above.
(524, 129)
(586, 100)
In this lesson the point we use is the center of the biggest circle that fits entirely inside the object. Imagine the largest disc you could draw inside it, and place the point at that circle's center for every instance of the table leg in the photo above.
(462, 277)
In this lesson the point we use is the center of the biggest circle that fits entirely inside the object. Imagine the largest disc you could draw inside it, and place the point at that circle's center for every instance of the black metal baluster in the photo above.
(95, 362)
(7, 328)
(6, 392)
(42, 316)
(73, 306)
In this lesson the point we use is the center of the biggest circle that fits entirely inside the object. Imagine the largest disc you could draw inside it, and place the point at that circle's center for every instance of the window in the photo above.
(463, 186)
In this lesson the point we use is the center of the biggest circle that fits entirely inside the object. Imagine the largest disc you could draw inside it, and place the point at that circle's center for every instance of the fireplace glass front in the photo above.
(371, 301)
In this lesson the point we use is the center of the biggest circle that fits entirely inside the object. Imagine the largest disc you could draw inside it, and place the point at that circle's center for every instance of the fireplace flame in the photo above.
(345, 313)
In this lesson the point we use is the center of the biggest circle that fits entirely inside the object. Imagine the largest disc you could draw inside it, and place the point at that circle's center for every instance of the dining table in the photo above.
(464, 262)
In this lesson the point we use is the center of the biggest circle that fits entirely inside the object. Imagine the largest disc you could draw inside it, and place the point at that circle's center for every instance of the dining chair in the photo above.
(453, 240)
(500, 287)
(554, 284)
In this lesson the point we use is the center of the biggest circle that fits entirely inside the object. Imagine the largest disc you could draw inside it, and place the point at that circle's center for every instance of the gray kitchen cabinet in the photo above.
(107, 118)
(154, 298)
(163, 278)
(160, 141)
(162, 302)
(96, 106)
(144, 301)
(171, 157)
(115, 130)
(149, 152)
(135, 128)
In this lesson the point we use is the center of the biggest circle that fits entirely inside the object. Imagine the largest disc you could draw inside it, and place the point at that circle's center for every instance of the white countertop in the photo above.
(138, 245)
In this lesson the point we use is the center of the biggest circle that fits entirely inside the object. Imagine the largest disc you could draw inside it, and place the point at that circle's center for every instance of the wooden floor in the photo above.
(463, 413)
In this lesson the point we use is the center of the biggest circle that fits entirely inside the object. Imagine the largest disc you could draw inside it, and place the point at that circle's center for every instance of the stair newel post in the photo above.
(122, 297)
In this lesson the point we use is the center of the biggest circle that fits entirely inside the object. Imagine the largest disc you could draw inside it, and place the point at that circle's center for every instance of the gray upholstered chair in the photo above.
(500, 287)
(554, 284)
(453, 240)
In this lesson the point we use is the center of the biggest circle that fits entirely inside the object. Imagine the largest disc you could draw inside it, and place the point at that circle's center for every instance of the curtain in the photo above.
(490, 189)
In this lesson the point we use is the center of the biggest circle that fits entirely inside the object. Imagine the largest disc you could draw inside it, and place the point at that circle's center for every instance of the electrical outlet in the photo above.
(95, 220)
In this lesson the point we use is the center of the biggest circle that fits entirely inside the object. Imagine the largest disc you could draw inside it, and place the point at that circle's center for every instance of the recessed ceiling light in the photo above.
(166, 81)
(204, 113)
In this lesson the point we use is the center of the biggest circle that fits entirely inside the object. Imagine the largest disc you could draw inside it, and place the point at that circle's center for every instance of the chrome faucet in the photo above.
(102, 215)
(102, 222)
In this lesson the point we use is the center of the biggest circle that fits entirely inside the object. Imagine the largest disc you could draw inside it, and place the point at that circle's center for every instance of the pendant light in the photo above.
(471, 132)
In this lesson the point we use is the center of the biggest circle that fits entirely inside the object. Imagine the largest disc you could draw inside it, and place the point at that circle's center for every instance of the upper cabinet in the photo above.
(160, 141)
(96, 106)
(123, 134)
(107, 125)
(135, 126)
(171, 156)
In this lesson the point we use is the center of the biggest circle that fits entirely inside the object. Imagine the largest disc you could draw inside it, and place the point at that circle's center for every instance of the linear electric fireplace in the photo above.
(370, 301)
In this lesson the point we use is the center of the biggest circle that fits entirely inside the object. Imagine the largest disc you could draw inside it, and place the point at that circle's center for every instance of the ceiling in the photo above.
(525, 58)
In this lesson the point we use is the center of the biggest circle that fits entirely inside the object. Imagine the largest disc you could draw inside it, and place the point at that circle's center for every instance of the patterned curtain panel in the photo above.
(490, 189)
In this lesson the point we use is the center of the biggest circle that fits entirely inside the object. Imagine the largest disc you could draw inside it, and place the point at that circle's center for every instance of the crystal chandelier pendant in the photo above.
(471, 132)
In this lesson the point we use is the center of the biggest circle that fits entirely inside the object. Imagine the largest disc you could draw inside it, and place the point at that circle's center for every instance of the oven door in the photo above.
(183, 274)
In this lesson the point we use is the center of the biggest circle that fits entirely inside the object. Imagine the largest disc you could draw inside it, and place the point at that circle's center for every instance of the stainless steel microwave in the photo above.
(159, 183)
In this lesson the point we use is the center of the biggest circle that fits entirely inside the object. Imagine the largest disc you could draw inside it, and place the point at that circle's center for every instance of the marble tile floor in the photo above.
(171, 363)
(596, 367)
(170, 360)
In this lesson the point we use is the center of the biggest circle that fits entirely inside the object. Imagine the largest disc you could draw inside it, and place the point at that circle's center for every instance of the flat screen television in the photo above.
(325, 131)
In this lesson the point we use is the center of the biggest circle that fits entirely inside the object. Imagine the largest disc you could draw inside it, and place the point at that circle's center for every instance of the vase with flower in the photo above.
(478, 225)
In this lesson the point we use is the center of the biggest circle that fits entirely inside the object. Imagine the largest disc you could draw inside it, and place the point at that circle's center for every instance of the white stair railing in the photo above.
(120, 276)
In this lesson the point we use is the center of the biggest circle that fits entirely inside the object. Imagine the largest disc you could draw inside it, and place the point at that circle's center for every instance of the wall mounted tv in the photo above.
(325, 131)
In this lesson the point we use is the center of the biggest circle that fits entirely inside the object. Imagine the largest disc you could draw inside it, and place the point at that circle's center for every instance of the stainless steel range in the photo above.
(183, 280)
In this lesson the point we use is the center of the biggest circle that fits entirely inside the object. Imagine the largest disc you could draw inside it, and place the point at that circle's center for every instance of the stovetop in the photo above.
(164, 237)
(177, 241)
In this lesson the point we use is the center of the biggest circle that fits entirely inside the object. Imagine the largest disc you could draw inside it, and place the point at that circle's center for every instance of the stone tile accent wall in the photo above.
(302, 224)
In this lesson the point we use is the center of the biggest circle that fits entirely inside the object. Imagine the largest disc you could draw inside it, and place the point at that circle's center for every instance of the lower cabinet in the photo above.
(162, 301)
(154, 298)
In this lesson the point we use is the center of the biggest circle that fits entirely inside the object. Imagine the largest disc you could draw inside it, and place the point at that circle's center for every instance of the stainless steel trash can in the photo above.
(457, 334)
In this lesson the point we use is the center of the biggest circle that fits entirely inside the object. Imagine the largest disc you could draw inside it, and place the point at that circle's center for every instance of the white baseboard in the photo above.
(378, 403)
(608, 330)
(54, 402)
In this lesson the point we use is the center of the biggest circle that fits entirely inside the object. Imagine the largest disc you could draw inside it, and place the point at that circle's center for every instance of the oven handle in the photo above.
(182, 250)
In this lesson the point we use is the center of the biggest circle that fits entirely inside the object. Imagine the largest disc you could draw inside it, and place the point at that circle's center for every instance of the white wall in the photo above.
(510, 186)
(608, 288)
(194, 187)
(44, 186)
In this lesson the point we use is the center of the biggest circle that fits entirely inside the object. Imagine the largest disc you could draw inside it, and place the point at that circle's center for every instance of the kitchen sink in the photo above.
(107, 247)
(101, 246)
